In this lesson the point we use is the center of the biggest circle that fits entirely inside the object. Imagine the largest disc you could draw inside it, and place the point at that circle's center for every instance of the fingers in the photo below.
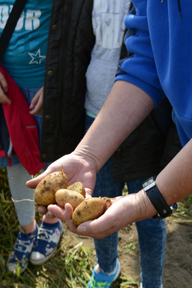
(37, 109)
(57, 211)
(3, 83)
(88, 193)
(68, 218)
(3, 89)
(50, 215)
(64, 214)
(42, 210)
(37, 103)
(111, 221)
(3, 97)
(98, 228)
(89, 228)
(32, 183)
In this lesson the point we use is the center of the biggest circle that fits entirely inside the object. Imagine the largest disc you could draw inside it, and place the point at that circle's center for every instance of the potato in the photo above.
(90, 209)
(63, 196)
(47, 187)
(78, 187)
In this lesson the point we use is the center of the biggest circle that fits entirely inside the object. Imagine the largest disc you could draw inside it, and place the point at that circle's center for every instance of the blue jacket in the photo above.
(162, 57)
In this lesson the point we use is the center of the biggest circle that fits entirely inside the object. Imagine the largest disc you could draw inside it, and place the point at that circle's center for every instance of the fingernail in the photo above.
(50, 215)
(82, 229)
(63, 212)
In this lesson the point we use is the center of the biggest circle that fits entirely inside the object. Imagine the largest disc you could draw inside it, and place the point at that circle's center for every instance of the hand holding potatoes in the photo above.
(53, 189)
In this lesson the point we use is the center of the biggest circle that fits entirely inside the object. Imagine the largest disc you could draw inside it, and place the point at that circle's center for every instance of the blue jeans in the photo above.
(151, 232)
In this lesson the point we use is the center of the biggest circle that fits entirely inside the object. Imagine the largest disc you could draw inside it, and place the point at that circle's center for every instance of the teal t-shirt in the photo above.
(25, 56)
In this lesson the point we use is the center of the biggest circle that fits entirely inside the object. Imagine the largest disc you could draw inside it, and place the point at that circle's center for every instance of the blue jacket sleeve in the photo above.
(139, 69)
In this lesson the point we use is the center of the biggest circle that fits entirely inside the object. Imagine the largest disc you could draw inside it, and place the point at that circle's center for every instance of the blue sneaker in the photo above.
(100, 280)
(21, 251)
(46, 243)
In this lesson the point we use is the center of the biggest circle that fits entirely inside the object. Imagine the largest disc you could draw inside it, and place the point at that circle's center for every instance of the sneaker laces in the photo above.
(48, 235)
(44, 234)
(23, 245)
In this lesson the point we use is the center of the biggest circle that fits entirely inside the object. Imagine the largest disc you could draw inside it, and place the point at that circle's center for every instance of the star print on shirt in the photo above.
(36, 58)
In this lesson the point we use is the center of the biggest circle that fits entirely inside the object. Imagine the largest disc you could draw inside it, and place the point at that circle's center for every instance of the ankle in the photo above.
(29, 228)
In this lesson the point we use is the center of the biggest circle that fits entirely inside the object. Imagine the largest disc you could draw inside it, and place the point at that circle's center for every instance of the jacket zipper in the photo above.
(179, 7)
(63, 48)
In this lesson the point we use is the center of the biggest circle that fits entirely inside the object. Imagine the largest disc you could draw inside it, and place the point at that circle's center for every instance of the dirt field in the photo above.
(178, 259)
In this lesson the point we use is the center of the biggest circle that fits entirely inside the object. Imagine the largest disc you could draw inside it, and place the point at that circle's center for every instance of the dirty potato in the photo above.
(90, 209)
(78, 187)
(47, 187)
(63, 196)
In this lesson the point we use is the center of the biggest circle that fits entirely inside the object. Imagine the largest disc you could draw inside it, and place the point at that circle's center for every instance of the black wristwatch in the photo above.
(156, 198)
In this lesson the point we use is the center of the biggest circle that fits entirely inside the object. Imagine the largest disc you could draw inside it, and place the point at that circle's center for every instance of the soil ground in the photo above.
(178, 257)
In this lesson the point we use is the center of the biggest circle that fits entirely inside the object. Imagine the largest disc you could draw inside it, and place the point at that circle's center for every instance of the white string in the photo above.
(16, 201)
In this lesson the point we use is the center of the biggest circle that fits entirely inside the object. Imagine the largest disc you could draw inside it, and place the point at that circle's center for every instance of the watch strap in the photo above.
(157, 199)
(159, 202)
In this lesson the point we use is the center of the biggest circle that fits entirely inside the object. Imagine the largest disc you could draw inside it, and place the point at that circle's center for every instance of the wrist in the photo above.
(157, 199)
(88, 157)
(140, 206)
(147, 209)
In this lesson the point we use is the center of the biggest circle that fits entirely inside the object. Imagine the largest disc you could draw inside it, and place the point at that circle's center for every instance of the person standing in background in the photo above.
(25, 60)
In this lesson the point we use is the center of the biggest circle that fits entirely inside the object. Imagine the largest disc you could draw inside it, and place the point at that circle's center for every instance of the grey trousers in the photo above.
(23, 197)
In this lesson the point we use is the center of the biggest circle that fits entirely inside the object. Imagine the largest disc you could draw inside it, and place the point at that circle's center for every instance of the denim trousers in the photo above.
(151, 232)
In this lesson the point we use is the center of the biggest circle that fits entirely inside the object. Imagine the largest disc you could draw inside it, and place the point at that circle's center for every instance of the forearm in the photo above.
(174, 182)
(125, 108)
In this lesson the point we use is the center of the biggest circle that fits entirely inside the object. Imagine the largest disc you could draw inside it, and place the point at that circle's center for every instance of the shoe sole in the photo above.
(43, 260)
(15, 271)
(118, 272)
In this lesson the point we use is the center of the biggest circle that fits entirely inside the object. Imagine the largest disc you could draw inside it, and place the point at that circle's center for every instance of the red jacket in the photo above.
(22, 128)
